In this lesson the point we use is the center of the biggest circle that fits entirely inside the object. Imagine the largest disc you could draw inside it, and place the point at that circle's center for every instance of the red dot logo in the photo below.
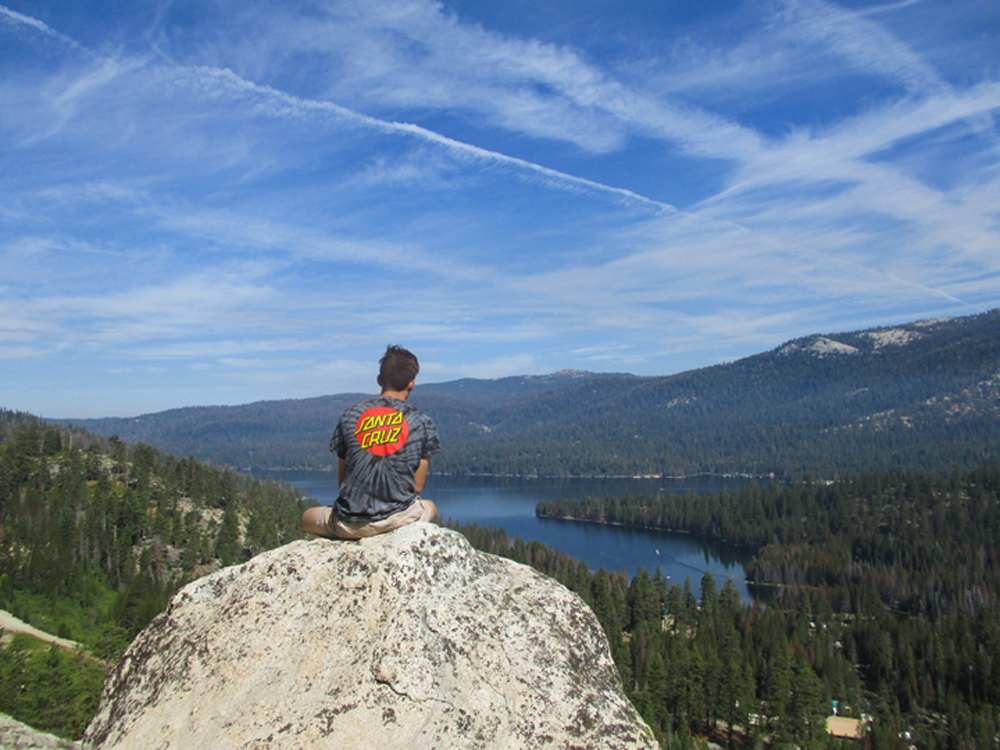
(382, 430)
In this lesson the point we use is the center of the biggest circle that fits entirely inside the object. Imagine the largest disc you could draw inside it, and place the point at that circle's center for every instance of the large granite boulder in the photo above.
(407, 640)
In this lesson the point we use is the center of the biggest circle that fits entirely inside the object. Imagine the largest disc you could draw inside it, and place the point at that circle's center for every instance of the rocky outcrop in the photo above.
(17, 736)
(407, 640)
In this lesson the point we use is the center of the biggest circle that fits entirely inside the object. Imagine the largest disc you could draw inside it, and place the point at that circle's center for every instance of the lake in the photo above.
(509, 503)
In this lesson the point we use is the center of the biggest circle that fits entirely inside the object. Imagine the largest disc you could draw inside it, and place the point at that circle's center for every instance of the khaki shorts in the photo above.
(334, 528)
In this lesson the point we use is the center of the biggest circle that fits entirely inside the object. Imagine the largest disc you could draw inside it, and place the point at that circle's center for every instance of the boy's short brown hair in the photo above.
(397, 368)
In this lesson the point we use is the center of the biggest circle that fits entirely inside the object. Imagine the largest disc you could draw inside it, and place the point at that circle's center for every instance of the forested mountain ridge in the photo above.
(264, 434)
(501, 390)
(295, 433)
(923, 395)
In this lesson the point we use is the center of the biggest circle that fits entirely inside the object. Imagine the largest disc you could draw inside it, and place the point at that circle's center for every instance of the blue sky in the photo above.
(214, 202)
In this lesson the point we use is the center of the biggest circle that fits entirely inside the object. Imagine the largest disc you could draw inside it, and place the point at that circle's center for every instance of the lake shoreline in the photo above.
(511, 503)
(253, 471)
(693, 535)
(613, 523)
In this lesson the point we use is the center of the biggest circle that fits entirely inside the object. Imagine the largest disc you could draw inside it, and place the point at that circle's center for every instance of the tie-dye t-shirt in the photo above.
(382, 442)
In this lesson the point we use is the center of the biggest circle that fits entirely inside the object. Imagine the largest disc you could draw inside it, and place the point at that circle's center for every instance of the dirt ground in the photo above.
(11, 625)
(838, 726)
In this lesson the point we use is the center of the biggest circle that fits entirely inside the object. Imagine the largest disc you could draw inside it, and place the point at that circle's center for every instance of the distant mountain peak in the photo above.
(891, 337)
(569, 372)
(821, 346)
(818, 346)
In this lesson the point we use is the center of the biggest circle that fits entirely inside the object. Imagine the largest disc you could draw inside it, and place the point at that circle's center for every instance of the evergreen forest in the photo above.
(95, 537)
(880, 590)
(882, 595)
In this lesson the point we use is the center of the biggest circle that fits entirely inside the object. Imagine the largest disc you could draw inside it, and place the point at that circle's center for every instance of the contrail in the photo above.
(232, 80)
(483, 153)
(12, 16)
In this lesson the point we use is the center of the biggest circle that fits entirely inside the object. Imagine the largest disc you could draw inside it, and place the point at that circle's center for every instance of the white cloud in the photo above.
(282, 190)
(12, 18)
(862, 43)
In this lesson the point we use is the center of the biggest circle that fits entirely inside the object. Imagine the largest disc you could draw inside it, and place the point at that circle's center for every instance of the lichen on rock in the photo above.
(410, 639)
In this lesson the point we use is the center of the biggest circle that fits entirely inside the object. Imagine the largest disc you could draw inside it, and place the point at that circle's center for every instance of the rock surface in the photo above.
(17, 736)
(407, 640)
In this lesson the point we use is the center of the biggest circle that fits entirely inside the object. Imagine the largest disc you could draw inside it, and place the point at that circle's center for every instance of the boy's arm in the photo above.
(421, 474)
(341, 471)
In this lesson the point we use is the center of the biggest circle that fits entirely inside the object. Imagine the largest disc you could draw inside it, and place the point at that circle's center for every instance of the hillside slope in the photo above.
(920, 396)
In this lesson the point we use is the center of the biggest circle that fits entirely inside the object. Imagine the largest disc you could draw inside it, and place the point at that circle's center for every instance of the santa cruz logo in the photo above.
(382, 430)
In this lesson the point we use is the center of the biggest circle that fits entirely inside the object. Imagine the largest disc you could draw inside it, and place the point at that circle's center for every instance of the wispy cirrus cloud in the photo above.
(12, 18)
(860, 42)
(270, 185)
